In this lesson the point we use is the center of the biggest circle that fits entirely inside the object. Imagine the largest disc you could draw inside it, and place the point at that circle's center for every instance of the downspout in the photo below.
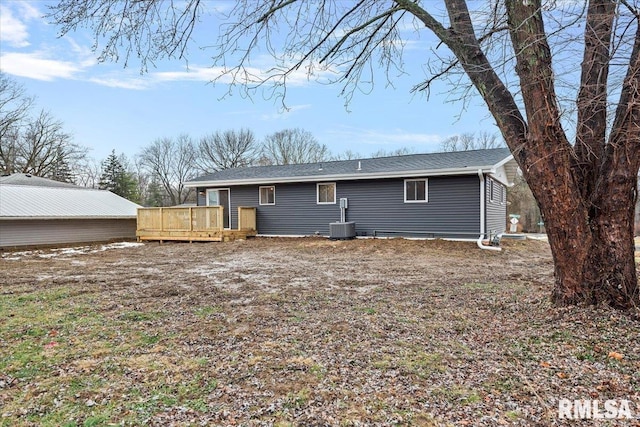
(482, 216)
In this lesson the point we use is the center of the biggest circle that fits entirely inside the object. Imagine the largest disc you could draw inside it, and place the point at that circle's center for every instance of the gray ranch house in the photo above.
(459, 195)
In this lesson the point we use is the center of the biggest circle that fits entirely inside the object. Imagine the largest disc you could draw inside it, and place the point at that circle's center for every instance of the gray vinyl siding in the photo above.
(35, 232)
(496, 209)
(452, 210)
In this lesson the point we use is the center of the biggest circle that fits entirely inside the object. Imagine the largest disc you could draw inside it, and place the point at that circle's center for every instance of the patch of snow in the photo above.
(79, 250)
(119, 245)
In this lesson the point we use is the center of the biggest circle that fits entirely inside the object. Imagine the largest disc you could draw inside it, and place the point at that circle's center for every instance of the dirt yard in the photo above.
(302, 332)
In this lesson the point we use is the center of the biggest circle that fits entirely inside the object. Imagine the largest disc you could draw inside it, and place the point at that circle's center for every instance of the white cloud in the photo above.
(205, 74)
(28, 11)
(85, 57)
(12, 30)
(387, 138)
(122, 83)
(246, 76)
(13, 23)
(291, 110)
(37, 66)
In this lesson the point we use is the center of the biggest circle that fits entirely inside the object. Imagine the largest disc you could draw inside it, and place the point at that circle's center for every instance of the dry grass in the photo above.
(302, 332)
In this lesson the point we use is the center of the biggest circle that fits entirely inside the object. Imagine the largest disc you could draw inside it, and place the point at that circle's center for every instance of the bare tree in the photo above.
(14, 110)
(397, 152)
(37, 145)
(347, 155)
(291, 146)
(584, 182)
(87, 173)
(14, 106)
(42, 147)
(228, 149)
(469, 141)
(171, 162)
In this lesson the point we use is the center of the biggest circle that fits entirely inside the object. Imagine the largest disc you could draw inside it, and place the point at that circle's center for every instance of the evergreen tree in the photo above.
(116, 179)
(128, 187)
(155, 195)
(112, 169)
(61, 170)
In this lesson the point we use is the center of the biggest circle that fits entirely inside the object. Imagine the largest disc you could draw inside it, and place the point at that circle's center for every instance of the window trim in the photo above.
(218, 189)
(426, 190)
(492, 191)
(335, 188)
(263, 203)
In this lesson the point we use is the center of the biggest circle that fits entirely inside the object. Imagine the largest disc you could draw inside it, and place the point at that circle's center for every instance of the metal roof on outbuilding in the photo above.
(458, 162)
(21, 201)
(28, 179)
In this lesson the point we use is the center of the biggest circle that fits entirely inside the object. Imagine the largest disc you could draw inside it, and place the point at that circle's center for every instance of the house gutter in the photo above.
(482, 216)
(339, 177)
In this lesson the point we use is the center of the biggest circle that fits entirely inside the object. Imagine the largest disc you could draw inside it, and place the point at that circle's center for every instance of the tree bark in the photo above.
(587, 204)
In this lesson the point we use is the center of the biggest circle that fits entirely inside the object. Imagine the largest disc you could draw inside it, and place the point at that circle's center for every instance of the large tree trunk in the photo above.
(595, 265)
(586, 191)
(610, 271)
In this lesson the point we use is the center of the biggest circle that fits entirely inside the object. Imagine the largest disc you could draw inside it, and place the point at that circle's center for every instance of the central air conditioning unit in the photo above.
(342, 230)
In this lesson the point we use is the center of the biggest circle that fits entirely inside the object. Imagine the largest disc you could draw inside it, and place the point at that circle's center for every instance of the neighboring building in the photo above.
(37, 211)
(458, 194)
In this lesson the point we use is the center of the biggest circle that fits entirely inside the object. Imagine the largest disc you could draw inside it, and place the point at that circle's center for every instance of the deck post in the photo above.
(220, 217)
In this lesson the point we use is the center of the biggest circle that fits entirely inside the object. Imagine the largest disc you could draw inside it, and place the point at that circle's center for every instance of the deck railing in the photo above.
(191, 223)
(197, 218)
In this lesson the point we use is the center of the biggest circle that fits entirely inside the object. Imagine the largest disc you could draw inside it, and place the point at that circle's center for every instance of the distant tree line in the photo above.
(36, 143)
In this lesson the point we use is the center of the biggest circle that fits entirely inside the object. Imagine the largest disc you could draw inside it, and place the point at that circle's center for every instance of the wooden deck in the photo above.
(192, 224)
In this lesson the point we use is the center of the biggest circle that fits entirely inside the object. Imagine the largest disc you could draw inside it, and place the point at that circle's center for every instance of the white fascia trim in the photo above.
(342, 177)
(504, 162)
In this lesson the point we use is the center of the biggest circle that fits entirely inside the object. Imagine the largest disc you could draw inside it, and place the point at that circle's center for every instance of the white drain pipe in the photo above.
(482, 216)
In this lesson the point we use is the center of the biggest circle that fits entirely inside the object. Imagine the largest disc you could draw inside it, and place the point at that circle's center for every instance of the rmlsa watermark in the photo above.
(595, 409)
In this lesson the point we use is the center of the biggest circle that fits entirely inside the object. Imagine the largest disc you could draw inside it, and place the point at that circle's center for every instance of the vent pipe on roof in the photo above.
(359, 165)
(320, 168)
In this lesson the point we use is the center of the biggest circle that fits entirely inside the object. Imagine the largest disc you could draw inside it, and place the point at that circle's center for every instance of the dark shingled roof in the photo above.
(431, 162)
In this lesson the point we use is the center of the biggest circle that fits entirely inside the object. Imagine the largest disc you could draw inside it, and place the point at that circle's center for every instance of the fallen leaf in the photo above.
(545, 364)
(561, 375)
(615, 355)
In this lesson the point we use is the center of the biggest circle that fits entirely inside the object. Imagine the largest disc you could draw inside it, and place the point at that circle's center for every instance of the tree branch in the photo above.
(592, 97)
(385, 15)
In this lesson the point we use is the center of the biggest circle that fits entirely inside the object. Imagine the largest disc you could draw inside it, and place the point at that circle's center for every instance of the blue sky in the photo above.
(106, 106)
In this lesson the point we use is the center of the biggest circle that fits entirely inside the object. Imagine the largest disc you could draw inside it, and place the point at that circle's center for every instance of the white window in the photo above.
(326, 193)
(415, 191)
(268, 195)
